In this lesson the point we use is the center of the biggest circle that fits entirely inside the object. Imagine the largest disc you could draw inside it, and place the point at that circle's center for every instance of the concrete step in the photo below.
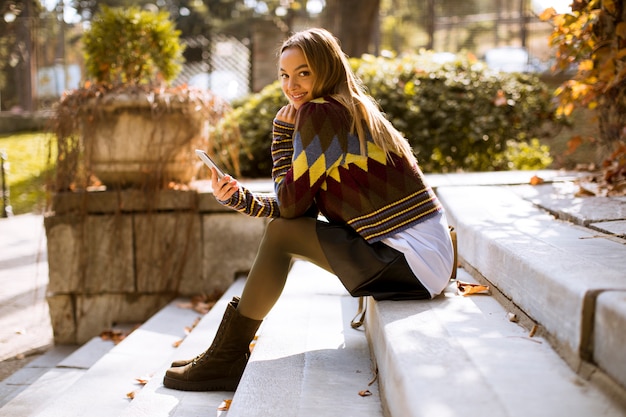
(25, 321)
(96, 379)
(155, 400)
(14, 384)
(568, 278)
(452, 356)
(462, 356)
(29, 390)
(307, 360)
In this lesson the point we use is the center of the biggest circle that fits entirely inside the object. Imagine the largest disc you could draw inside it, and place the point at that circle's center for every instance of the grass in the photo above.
(27, 169)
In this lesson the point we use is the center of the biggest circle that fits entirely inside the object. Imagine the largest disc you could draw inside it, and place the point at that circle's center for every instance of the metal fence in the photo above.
(221, 64)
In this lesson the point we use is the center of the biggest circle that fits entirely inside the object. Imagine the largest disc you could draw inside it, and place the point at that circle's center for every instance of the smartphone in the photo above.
(209, 162)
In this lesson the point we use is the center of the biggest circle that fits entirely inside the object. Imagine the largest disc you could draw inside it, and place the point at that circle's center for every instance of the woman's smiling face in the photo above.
(296, 77)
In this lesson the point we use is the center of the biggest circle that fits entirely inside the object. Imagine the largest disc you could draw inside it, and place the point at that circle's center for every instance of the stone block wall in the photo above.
(120, 256)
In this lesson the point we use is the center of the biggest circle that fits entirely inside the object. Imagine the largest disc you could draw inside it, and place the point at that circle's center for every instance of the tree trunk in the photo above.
(354, 22)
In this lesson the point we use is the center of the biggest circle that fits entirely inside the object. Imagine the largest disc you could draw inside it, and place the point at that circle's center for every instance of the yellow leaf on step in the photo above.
(467, 288)
(225, 405)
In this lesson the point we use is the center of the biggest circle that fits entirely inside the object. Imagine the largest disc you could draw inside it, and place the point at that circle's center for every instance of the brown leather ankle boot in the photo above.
(220, 367)
(182, 362)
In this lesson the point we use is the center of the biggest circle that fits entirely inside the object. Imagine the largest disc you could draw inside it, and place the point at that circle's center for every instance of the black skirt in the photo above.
(368, 269)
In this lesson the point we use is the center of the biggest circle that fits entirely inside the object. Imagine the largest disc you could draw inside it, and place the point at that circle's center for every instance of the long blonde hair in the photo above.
(335, 78)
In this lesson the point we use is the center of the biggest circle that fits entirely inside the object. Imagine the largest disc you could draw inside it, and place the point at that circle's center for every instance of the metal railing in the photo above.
(7, 210)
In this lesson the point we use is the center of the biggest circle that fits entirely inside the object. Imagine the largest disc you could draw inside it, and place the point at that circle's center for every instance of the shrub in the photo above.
(527, 155)
(253, 116)
(457, 115)
(132, 46)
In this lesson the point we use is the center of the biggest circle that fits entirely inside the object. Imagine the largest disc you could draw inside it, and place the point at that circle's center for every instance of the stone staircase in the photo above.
(453, 356)
(307, 361)
(546, 340)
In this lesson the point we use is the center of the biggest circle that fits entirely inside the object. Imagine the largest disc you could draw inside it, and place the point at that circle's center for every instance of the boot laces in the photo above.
(201, 357)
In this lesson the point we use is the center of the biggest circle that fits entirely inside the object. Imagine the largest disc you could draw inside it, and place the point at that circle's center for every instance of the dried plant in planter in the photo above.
(134, 135)
(126, 127)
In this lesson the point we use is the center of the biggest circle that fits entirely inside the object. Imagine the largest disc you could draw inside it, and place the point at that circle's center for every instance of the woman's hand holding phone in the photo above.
(224, 187)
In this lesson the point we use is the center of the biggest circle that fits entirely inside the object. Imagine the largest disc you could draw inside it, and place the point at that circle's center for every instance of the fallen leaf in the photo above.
(116, 336)
(195, 322)
(584, 192)
(131, 395)
(225, 405)
(365, 393)
(532, 331)
(253, 343)
(187, 329)
(601, 236)
(467, 288)
(143, 380)
(512, 317)
(618, 189)
(535, 180)
(203, 308)
(201, 303)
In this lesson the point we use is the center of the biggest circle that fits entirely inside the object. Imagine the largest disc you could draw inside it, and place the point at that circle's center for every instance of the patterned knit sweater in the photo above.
(317, 164)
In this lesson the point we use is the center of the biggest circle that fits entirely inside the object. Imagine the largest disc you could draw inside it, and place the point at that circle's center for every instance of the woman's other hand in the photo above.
(223, 188)
(287, 114)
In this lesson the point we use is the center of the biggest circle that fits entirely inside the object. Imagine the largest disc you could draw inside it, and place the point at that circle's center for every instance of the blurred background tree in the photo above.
(53, 28)
(353, 21)
(18, 40)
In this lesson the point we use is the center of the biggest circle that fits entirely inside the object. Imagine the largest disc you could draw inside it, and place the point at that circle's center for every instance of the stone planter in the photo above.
(137, 140)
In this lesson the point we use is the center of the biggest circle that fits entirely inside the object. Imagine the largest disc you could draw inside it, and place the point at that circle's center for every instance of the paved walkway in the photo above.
(25, 327)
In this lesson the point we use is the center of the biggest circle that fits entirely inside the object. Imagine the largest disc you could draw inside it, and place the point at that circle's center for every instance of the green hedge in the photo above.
(457, 115)
(254, 116)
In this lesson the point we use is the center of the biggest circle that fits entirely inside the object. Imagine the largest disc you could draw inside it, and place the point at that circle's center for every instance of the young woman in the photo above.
(382, 230)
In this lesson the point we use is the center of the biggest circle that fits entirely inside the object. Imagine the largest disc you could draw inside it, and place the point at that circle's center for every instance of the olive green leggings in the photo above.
(283, 240)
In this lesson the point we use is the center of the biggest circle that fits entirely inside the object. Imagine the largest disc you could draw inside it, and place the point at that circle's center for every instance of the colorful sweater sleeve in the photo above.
(266, 205)
(253, 204)
(282, 150)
